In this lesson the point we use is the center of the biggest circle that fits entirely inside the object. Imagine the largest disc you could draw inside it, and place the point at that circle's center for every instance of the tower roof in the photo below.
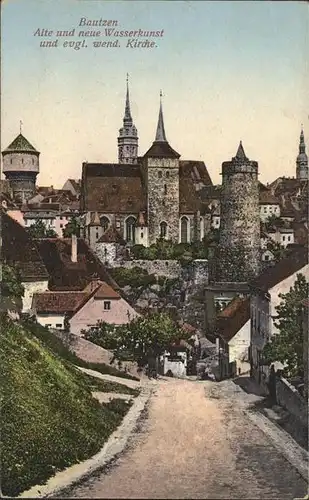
(241, 155)
(160, 147)
(20, 143)
(302, 148)
(160, 134)
(127, 110)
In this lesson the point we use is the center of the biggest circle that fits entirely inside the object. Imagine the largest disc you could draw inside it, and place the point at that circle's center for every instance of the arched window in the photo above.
(130, 229)
(184, 230)
(163, 230)
(105, 223)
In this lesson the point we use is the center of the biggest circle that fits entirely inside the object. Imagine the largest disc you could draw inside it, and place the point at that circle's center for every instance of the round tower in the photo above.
(21, 167)
(239, 244)
(302, 160)
(127, 139)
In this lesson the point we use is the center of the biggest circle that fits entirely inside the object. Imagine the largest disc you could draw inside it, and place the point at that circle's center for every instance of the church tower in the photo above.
(302, 160)
(162, 171)
(239, 242)
(127, 139)
(21, 167)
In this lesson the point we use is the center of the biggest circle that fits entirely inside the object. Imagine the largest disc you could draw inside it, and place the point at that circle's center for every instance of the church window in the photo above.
(104, 223)
(184, 230)
(163, 230)
(159, 174)
(167, 174)
(130, 229)
(165, 189)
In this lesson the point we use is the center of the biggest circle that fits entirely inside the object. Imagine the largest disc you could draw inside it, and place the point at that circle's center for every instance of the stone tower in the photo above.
(302, 159)
(127, 139)
(21, 167)
(239, 243)
(162, 173)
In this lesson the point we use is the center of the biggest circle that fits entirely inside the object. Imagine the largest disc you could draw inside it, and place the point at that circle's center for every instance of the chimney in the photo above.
(74, 248)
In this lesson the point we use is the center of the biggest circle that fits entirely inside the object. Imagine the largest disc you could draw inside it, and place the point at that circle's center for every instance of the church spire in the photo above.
(127, 111)
(302, 158)
(127, 139)
(160, 134)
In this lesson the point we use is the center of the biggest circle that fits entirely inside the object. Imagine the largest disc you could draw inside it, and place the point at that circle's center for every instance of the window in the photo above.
(60, 217)
(58, 325)
(32, 161)
(163, 230)
(105, 223)
(159, 174)
(61, 225)
(266, 257)
(11, 161)
(167, 174)
(130, 229)
(283, 238)
(107, 305)
(142, 235)
(48, 325)
(265, 209)
(22, 160)
(165, 189)
(184, 229)
(289, 238)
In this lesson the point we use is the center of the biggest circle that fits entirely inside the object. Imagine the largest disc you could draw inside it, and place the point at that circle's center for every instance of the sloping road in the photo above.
(197, 442)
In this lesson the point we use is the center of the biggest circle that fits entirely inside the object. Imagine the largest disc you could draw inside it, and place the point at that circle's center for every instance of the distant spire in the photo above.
(240, 155)
(160, 134)
(127, 111)
(302, 145)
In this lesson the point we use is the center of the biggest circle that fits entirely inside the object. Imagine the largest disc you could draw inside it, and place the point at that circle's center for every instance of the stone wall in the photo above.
(163, 197)
(167, 268)
(289, 398)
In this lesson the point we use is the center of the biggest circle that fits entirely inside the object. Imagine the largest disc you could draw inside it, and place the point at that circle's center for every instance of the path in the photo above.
(196, 443)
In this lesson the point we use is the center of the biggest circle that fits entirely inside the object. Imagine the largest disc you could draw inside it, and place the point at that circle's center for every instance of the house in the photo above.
(233, 331)
(82, 309)
(110, 246)
(20, 251)
(265, 296)
(175, 359)
(269, 205)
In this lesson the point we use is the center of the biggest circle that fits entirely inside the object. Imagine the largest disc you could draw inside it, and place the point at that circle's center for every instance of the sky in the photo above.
(229, 71)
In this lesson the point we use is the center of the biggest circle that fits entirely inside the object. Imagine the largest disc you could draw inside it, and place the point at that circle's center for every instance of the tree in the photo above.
(11, 285)
(72, 227)
(137, 339)
(278, 251)
(287, 345)
(39, 230)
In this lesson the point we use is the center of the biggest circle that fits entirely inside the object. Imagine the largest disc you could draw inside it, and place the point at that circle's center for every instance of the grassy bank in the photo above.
(49, 418)
(51, 341)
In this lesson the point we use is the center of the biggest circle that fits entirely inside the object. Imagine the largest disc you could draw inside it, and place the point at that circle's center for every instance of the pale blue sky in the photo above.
(228, 71)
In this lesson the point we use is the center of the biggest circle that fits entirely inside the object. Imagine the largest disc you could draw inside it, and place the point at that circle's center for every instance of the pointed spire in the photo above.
(302, 145)
(240, 155)
(127, 111)
(160, 134)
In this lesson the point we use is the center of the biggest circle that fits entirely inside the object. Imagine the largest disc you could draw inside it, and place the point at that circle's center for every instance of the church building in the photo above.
(147, 197)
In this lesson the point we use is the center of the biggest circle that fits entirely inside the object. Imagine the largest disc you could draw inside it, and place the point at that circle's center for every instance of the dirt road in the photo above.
(196, 443)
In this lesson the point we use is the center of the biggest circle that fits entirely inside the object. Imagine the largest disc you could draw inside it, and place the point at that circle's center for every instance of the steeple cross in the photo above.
(20, 126)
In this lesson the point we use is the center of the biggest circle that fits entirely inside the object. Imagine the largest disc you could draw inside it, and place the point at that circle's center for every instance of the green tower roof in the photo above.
(20, 144)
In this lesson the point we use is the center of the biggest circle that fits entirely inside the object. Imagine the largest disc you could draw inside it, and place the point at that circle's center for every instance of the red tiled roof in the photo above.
(233, 318)
(20, 250)
(105, 291)
(296, 260)
(57, 302)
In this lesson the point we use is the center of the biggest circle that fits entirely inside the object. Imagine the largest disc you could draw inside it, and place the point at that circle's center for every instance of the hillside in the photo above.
(49, 418)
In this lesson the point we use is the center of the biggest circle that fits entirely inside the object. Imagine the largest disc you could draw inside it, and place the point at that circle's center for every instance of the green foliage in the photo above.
(72, 227)
(11, 282)
(138, 338)
(135, 277)
(39, 230)
(49, 420)
(278, 251)
(287, 345)
(273, 221)
(167, 250)
(57, 347)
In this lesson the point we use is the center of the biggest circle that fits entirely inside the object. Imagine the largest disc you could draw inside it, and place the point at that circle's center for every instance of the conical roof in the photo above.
(20, 143)
(241, 155)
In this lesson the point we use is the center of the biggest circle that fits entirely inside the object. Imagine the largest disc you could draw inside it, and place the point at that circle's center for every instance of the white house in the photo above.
(269, 205)
(233, 331)
(265, 291)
